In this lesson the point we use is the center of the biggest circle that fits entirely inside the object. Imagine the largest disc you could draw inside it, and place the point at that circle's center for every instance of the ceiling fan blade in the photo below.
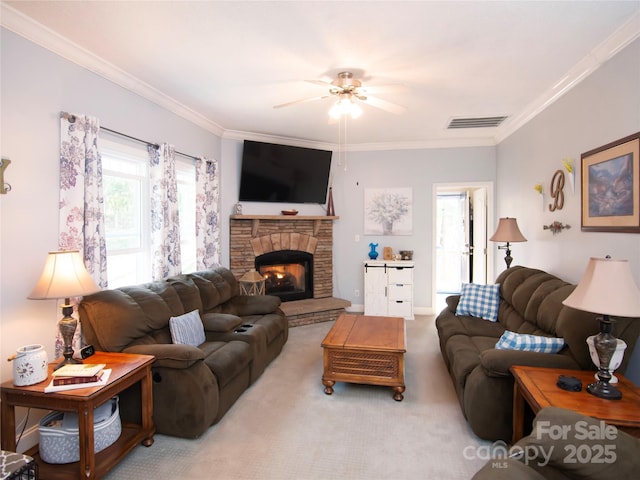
(384, 105)
(322, 83)
(375, 89)
(305, 100)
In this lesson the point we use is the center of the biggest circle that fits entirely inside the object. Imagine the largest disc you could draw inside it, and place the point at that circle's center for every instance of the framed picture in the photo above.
(388, 211)
(611, 187)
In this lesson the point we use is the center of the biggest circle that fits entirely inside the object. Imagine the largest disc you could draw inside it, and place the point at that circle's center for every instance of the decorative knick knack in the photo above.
(373, 254)
(330, 211)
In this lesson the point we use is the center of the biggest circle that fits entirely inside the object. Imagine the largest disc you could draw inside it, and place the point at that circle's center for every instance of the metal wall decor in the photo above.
(556, 227)
(4, 187)
(556, 191)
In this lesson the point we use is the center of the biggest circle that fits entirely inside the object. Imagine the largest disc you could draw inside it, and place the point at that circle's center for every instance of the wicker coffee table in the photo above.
(365, 349)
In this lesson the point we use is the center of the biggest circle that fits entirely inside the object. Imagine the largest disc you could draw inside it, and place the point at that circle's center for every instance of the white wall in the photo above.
(603, 108)
(36, 86)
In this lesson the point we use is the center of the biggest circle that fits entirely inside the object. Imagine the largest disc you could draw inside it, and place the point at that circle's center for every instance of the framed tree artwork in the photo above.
(611, 187)
(388, 211)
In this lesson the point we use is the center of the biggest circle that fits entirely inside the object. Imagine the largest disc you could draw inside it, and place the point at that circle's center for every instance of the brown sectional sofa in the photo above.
(530, 303)
(193, 386)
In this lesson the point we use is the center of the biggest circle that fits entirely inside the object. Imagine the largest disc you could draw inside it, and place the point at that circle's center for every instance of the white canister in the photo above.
(30, 365)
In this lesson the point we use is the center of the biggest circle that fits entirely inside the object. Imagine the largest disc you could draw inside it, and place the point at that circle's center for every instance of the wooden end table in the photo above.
(537, 386)
(126, 370)
(365, 349)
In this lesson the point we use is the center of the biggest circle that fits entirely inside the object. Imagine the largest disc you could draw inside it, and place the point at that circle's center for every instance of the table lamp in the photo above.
(508, 232)
(607, 288)
(64, 276)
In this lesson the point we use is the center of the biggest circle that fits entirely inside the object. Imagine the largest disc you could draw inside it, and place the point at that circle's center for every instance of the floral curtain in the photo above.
(207, 214)
(81, 209)
(165, 223)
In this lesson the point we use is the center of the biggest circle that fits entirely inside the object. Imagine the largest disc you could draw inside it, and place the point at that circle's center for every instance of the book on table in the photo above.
(79, 370)
(64, 380)
(104, 378)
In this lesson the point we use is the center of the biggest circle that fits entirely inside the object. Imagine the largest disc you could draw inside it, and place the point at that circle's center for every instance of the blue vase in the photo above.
(373, 254)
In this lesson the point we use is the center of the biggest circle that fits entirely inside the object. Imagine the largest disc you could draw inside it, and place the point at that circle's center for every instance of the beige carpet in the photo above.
(285, 427)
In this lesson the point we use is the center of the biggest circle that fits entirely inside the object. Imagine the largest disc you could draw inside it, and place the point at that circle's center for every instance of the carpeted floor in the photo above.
(285, 427)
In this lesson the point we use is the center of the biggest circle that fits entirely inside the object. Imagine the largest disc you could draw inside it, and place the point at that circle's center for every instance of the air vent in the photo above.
(475, 122)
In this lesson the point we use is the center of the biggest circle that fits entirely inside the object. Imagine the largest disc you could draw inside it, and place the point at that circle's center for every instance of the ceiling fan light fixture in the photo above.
(345, 106)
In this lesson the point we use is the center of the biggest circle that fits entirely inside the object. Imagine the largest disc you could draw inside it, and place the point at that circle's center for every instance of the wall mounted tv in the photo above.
(283, 174)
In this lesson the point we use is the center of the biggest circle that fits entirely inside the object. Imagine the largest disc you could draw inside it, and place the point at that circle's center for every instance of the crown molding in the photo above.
(360, 147)
(26, 27)
(607, 49)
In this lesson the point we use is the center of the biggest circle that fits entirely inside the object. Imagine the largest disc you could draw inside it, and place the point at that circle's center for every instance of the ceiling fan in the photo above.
(348, 89)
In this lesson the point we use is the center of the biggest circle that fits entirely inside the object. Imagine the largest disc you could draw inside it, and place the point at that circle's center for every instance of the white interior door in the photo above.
(479, 235)
(460, 238)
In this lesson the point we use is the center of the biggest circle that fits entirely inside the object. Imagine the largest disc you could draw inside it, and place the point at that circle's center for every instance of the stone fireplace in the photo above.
(281, 246)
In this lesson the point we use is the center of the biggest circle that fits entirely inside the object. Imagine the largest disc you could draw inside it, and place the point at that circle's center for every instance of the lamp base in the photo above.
(67, 326)
(604, 390)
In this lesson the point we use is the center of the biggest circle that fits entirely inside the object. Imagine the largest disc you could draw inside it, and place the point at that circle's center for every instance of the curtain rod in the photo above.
(72, 118)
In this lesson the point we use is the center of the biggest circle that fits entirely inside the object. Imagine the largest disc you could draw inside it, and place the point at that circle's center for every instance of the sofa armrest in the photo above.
(452, 302)
(497, 363)
(169, 355)
(220, 322)
(243, 305)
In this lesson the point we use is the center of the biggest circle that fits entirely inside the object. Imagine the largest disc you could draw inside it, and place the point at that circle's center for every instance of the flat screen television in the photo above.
(283, 174)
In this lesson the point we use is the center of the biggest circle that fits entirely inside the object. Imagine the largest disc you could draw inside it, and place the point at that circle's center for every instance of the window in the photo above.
(126, 208)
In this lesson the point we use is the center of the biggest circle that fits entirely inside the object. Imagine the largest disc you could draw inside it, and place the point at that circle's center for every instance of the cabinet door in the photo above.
(375, 291)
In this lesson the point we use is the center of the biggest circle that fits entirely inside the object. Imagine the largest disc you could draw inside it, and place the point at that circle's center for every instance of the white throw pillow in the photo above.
(187, 329)
(479, 301)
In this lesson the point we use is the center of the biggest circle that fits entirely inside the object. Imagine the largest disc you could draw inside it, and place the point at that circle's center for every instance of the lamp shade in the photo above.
(607, 288)
(508, 231)
(64, 276)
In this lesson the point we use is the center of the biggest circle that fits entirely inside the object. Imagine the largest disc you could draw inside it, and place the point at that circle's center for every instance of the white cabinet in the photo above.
(388, 288)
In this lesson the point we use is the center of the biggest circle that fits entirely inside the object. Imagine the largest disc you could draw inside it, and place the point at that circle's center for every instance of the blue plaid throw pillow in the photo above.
(529, 343)
(479, 301)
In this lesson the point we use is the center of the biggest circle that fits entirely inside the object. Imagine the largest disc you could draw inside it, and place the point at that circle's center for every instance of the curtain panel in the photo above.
(81, 208)
(165, 221)
(207, 214)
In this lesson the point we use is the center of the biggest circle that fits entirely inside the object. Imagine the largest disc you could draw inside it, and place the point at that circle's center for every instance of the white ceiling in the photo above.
(224, 65)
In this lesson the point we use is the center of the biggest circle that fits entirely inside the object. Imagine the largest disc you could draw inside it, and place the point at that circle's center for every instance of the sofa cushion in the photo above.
(187, 291)
(479, 301)
(529, 343)
(187, 329)
(227, 359)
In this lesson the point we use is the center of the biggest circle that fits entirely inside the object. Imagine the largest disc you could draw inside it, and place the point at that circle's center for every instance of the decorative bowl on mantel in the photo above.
(289, 212)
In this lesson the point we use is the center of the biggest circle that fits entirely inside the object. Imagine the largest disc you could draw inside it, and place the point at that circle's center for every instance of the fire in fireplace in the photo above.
(288, 274)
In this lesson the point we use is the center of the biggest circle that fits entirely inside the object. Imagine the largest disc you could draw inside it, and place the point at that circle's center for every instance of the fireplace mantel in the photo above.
(256, 220)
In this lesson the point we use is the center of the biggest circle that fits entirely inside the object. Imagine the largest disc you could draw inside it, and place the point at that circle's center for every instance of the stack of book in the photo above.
(72, 374)
(81, 375)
